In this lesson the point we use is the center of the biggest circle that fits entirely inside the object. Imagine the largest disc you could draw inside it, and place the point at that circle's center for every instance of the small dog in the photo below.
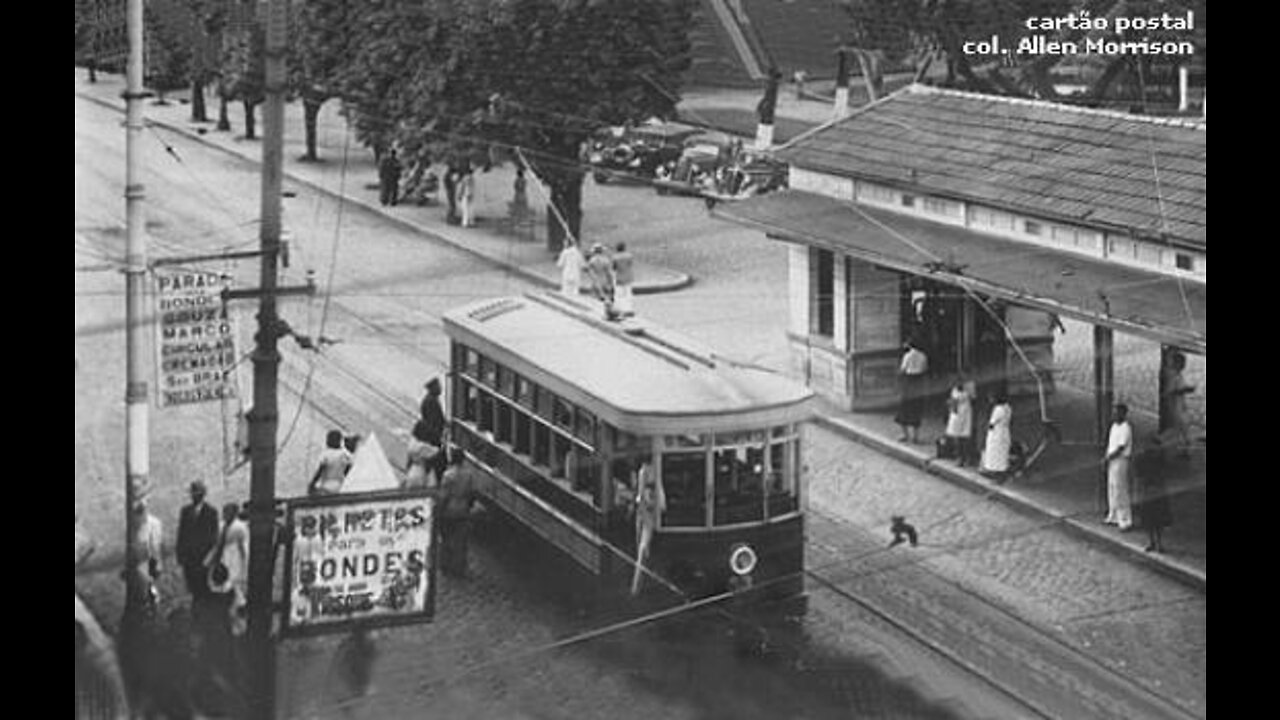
(903, 531)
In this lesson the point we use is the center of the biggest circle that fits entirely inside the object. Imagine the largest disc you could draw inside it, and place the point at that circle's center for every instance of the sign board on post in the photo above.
(196, 347)
(360, 559)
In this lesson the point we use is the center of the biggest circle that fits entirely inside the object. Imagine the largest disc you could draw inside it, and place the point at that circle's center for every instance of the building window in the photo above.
(938, 206)
(822, 294)
(1031, 227)
(1184, 261)
(1149, 254)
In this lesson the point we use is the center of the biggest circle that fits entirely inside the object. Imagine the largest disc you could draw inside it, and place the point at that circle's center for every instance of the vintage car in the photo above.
(635, 152)
(716, 166)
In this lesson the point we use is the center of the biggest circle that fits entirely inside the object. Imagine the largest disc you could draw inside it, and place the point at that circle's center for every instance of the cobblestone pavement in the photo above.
(1140, 623)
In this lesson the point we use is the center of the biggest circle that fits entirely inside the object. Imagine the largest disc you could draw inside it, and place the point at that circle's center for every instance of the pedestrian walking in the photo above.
(389, 171)
(228, 567)
(197, 534)
(600, 267)
(466, 197)
(1176, 390)
(912, 371)
(422, 459)
(571, 262)
(519, 208)
(1152, 507)
(451, 195)
(959, 431)
(651, 503)
(457, 495)
(335, 463)
(149, 542)
(431, 413)
(624, 276)
(995, 452)
(1119, 452)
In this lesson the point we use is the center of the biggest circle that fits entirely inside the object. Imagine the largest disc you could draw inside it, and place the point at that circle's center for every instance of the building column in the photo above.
(1104, 395)
(841, 285)
(874, 334)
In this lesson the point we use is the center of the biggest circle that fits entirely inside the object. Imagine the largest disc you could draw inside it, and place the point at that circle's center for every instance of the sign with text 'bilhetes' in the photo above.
(196, 347)
(362, 559)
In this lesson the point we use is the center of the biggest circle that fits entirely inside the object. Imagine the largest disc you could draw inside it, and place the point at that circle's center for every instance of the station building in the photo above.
(931, 214)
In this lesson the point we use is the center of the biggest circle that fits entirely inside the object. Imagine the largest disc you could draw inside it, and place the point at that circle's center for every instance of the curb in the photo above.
(1194, 577)
(681, 281)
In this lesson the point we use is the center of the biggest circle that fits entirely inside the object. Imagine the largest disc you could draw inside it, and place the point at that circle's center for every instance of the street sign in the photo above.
(359, 559)
(196, 339)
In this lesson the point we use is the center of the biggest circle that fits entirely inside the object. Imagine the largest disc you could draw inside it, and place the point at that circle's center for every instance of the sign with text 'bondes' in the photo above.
(359, 559)
(196, 343)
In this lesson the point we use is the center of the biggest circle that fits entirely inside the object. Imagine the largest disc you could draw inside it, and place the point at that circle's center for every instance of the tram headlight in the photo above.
(742, 559)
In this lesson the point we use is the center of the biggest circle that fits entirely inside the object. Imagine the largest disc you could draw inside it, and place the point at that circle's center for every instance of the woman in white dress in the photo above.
(995, 454)
(959, 431)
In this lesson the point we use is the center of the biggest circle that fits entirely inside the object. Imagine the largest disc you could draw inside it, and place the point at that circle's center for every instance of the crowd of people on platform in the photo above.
(1137, 478)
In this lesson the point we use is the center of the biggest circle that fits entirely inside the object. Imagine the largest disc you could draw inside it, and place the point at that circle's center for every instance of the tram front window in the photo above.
(784, 470)
(739, 485)
(684, 477)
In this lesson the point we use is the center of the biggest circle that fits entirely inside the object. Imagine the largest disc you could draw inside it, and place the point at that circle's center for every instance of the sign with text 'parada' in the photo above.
(196, 347)
(359, 559)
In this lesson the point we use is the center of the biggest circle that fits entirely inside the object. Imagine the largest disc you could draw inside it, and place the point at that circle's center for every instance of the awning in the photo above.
(1157, 306)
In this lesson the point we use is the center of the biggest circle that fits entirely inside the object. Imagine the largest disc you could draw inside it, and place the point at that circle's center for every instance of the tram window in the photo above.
(471, 363)
(523, 434)
(524, 392)
(506, 382)
(684, 482)
(541, 444)
(739, 485)
(782, 478)
(585, 426)
(544, 402)
(488, 371)
(560, 456)
(470, 402)
(584, 469)
(685, 441)
(563, 415)
(485, 419)
(504, 421)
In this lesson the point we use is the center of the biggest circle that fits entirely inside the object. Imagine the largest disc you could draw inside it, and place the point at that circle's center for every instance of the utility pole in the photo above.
(264, 416)
(137, 393)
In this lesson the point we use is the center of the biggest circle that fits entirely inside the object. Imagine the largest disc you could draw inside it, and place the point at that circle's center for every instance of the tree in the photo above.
(168, 57)
(537, 77)
(320, 42)
(243, 69)
(210, 18)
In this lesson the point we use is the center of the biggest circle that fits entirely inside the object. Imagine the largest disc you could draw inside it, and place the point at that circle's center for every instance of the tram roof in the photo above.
(635, 374)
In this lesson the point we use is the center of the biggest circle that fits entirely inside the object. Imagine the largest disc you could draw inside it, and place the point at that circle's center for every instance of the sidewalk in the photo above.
(1066, 482)
(517, 247)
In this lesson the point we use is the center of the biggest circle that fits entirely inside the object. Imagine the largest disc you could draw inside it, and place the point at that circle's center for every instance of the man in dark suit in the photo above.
(197, 534)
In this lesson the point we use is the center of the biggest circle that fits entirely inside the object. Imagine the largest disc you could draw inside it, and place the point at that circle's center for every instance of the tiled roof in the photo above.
(1105, 169)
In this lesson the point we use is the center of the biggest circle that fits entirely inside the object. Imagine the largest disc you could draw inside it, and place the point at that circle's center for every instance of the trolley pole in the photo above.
(137, 393)
(264, 416)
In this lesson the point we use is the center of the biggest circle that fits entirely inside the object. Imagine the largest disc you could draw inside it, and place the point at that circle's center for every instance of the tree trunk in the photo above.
(310, 116)
(249, 126)
(224, 113)
(199, 111)
(566, 197)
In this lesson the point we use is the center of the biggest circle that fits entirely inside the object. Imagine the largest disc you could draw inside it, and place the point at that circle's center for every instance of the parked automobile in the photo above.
(716, 166)
(636, 152)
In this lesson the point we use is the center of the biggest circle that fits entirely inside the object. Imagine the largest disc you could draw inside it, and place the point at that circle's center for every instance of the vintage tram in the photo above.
(562, 410)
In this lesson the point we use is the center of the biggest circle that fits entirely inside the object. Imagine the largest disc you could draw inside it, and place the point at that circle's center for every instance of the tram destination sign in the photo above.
(196, 343)
(359, 559)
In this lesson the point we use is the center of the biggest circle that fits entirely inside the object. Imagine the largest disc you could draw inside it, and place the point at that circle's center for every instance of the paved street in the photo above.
(388, 287)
